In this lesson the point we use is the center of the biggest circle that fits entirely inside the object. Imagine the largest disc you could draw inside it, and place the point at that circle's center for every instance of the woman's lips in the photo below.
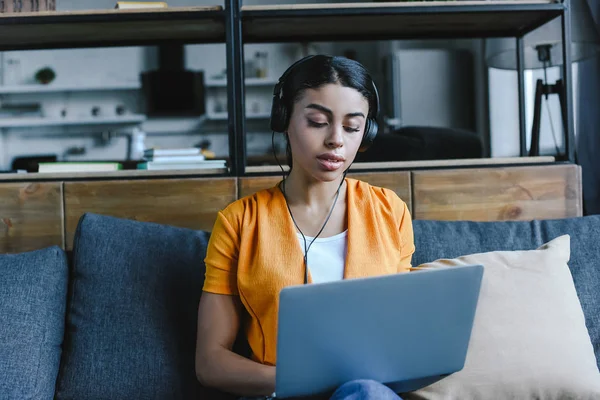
(330, 161)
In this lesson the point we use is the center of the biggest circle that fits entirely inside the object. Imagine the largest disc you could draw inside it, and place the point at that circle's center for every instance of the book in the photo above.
(79, 166)
(212, 164)
(192, 151)
(23, 110)
(128, 5)
(15, 6)
(176, 159)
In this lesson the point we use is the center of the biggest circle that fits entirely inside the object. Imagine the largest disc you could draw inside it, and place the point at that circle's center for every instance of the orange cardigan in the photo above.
(254, 252)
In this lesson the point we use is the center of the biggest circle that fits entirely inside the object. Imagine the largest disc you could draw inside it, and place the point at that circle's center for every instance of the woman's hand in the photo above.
(217, 365)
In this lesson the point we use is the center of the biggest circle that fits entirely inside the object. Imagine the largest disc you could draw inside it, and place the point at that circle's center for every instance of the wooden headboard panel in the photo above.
(496, 194)
(189, 203)
(34, 214)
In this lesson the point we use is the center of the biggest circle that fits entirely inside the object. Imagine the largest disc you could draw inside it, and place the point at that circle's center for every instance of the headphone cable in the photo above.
(306, 249)
(275, 154)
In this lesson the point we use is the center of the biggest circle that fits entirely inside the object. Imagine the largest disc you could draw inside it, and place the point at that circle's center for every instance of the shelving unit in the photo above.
(222, 116)
(47, 122)
(261, 84)
(109, 28)
(237, 25)
(53, 88)
(395, 20)
(414, 20)
(215, 83)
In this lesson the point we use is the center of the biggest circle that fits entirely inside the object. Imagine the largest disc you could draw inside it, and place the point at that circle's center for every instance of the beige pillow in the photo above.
(529, 339)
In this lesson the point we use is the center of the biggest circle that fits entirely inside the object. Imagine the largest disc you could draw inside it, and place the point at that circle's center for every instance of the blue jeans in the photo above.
(362, 389)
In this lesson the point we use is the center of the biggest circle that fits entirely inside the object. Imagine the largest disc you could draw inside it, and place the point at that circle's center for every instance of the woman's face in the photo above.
(325, 130)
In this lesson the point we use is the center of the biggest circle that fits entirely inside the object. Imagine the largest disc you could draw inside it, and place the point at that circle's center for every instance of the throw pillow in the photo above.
(33, 294)
(529, 339)
(437, 239)
(132, 315)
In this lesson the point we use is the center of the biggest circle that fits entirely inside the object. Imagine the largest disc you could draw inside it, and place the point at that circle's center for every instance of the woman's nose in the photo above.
(335, 137)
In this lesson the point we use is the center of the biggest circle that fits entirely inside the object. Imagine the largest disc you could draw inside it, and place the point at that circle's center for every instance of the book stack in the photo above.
(79, 166)
(128, 5)
(14, 6)
(173, 159)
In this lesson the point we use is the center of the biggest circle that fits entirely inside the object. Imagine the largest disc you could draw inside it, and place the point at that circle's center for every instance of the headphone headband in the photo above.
(277, 90)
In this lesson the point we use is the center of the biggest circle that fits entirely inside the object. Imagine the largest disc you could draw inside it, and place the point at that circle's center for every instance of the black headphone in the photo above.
(280, 117)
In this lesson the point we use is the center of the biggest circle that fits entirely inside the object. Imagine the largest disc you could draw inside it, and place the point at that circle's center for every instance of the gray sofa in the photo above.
(116, 318)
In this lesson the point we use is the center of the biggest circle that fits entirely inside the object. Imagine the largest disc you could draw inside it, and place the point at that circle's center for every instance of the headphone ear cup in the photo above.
(283, 118)
(371, 128)
(278, 116)
(274, 114)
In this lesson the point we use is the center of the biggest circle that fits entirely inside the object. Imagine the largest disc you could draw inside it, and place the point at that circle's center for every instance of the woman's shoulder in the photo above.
(376, 196)
(380, 199)
(392, 214)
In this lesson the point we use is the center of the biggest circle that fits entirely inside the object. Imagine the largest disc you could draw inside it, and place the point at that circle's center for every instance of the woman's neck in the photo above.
(301, 190)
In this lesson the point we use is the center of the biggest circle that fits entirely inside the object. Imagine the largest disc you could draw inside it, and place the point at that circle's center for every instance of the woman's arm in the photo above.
(217, 365)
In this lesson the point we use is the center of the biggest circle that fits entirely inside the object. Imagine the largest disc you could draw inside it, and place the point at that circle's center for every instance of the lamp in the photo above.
(542, 48)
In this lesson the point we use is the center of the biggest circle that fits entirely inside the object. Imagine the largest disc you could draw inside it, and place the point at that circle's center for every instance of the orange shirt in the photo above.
(253, 252)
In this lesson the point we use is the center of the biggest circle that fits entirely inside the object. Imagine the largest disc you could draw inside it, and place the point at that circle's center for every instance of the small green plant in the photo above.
(45, 75)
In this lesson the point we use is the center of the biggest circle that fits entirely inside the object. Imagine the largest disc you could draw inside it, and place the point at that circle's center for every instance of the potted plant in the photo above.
(45, 75)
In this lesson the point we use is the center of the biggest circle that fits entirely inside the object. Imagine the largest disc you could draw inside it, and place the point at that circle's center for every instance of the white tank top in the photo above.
(326, 256)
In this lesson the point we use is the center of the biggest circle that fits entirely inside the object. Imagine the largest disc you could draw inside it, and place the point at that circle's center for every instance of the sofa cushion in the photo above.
(132, 312)
(33, 294)
(529, 338)
(451, 239)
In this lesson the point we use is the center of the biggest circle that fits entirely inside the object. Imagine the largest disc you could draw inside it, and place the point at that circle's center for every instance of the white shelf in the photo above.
(17, 89)
(247, 81)
(222, 116)
(34, 122)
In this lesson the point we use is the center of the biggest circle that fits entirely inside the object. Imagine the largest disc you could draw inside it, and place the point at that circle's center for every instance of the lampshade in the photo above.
(585, 41)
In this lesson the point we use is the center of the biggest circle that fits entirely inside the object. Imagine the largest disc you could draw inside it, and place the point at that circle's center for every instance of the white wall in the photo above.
(504, 112)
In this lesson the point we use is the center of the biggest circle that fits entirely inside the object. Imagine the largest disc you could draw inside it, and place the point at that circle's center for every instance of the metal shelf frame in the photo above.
(262, 24)
(236, 25)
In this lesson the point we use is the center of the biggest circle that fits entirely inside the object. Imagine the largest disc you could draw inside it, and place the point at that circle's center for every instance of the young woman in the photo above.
(315, 225)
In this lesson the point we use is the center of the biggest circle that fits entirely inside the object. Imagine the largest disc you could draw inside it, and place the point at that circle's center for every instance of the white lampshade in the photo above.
(585, 42)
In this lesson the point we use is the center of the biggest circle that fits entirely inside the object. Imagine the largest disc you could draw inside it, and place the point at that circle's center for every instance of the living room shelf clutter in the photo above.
(236, 25)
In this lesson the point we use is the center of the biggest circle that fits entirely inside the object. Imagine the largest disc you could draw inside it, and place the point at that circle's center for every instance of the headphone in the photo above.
(280, 115)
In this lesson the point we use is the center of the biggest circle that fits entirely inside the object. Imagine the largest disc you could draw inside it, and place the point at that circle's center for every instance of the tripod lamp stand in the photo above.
(543, 49)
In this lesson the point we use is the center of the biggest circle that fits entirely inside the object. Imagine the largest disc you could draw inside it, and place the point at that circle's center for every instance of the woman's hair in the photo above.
(319, 71)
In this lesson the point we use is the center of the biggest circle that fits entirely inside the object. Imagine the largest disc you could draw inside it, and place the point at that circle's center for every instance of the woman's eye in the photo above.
(316, 124)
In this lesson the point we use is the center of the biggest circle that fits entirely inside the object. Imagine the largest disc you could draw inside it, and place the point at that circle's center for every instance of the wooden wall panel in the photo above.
(31, 216)
(398, 181)
(188, 203)
(36, 215)
(492, 194)
(249, 186)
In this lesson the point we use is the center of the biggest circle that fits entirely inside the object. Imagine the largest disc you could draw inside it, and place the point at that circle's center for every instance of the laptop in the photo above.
(404, 330)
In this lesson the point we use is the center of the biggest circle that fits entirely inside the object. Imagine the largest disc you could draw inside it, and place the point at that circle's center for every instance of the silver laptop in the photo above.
(404, 330)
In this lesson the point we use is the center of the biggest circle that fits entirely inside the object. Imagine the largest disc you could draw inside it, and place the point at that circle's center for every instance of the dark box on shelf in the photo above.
(173, 93)
(171, 90)
(15, 6)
